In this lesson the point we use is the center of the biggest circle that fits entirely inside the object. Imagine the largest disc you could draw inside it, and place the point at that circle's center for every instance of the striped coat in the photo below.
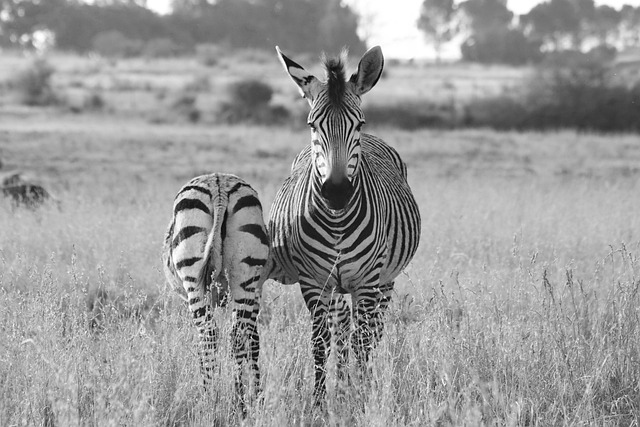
(330, 247)
(345, 220)
(215, 250)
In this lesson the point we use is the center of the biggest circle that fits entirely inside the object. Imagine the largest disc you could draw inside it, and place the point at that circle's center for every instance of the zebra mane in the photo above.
(335, 74)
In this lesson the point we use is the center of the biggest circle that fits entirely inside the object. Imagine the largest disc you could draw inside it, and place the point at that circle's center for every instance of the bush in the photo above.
(580, 94)
(501, 46)
(575, 91)
(94, 101)
(250, 93)
(89, 101)
(254, 56)
(185, 106)
(199, 83)
(500, 112)
(209, 54)
(162, 48)
(114, 44)
(249, 102)
(411, 116)
(34, 84)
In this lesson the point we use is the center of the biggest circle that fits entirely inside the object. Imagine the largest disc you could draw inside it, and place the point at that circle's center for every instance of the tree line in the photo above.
(491, 33)
(300, 25)
(488, 32)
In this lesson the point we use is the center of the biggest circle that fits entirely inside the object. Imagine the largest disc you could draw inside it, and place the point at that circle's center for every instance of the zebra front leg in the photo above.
(340, 327)
(370, 306)
(318, 305)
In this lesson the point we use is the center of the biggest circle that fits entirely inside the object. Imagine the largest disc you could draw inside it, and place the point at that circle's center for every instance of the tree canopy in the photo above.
(488, 31)
(492, 33)
(438, 20)
(300, 25)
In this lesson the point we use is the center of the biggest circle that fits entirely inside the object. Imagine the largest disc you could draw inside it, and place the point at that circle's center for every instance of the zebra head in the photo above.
(336, 119)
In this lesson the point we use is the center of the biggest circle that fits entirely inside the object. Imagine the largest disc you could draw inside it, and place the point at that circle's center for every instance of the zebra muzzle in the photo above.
(337, 194)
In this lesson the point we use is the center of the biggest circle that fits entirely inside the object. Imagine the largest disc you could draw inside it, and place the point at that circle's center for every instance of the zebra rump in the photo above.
(214, 250)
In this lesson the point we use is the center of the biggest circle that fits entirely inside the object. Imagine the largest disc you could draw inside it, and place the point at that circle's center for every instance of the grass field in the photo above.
(521, 307)
(149, 87)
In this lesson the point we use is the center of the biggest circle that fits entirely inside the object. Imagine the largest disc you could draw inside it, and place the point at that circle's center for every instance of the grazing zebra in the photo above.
(345, 220)
(217, 244)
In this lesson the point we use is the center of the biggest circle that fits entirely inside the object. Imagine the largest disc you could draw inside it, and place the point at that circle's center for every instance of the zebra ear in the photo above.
(307, 83)
(369, 70)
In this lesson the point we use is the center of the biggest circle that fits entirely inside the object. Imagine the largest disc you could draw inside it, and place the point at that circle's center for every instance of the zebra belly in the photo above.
(335, 272)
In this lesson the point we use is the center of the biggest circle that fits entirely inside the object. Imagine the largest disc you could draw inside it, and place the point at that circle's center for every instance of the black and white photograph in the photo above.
(275, 213)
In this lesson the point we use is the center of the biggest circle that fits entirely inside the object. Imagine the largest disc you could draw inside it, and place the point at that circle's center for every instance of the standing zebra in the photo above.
(345, 220)
(217, 244)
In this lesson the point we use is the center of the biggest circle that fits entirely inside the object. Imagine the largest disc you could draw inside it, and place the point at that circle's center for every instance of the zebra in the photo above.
(345, 220)
(215, 249)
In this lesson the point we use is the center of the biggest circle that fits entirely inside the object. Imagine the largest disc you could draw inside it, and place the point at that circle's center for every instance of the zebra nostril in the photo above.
(337, 194)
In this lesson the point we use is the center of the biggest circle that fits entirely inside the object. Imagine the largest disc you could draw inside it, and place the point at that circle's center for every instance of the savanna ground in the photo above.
(521, 307)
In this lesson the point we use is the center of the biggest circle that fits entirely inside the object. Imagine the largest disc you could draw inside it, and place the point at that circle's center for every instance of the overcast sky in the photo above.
(392, 23)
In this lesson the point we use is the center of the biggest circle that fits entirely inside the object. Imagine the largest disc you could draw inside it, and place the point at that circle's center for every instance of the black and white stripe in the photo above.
(215, 249)
(345, 220)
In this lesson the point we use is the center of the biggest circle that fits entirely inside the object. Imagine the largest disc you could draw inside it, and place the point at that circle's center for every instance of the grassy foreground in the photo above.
(522, 306)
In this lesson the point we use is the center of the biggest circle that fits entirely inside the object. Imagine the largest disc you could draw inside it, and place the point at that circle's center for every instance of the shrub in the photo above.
(579, 93)
(162, 48)
(34, 84)
(509, 46)
(501, 112)
(114, 44)
(249, 102)
(94, 101)
(266, 115)
(184, 105)
(411, 115)
(209, 54)
(79, 102)
(254, 56)
(250, 93)
(574, 91)
(199, 83)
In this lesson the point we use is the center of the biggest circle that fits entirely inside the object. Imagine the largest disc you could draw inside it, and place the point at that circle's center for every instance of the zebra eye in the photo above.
(359, 126)
(312, 126)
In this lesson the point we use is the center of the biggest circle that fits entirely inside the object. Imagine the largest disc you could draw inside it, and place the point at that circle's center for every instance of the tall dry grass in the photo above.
(522, 306)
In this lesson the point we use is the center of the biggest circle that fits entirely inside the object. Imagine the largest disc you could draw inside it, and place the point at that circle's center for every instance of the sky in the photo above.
(392, 23)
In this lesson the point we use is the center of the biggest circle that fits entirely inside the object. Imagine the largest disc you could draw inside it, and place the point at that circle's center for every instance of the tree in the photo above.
(300, 25)
(438, 20)
(19, 19)
(492, 37)
(368, 18)
(553, 23)
(585, 11)
(560, 24)
(189, 6)
(486, 16)
(502, 46)
(606, 24)
(139, 3)
(338, 28)
(630, 25)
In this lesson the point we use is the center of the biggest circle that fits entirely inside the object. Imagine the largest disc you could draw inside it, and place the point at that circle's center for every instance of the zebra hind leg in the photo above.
(246, 348)
(207, 332)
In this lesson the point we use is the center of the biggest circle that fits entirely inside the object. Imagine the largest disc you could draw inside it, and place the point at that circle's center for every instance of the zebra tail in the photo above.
(212, 256)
